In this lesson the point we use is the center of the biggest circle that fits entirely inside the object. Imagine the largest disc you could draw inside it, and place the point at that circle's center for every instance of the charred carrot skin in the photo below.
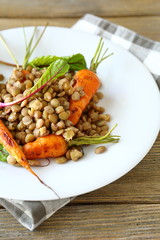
(45, 147)
(56, 146)
(90, 83)
(12, 147)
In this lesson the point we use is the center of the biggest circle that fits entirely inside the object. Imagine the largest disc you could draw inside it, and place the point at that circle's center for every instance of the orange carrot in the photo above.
(25, 72)
(12, 147)
(90, 83)
(45, 147)
(56, 146)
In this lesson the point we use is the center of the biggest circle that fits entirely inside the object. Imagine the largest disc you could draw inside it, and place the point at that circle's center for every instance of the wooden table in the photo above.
(130, 207)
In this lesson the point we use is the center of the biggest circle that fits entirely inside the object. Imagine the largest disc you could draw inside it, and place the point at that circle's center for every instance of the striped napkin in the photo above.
(30, 213)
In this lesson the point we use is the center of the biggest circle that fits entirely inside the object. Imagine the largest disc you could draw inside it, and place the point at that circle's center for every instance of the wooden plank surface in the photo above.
(72, 8)
(84, 222)
(146, 26)
(140, 185)
(129, 208)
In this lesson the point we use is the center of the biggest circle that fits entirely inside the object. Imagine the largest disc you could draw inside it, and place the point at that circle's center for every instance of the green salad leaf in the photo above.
(76, 61)
(3, 154)
(56, 69)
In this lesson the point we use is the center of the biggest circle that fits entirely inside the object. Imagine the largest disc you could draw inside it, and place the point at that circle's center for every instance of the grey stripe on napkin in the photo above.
(146, 50)
(32, 214)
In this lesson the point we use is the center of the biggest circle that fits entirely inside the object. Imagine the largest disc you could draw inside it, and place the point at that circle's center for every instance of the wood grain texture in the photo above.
(72, 8)
(140, 185)
(146, 26)
(129, 208)
(127, 221)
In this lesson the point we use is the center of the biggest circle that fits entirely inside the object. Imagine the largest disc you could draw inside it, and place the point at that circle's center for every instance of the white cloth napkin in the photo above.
(32, 214)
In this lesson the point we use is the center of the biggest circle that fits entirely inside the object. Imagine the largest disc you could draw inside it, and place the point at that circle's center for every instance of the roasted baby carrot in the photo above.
(45, 147)
(56, 146)
(89, 81)
(12, 147)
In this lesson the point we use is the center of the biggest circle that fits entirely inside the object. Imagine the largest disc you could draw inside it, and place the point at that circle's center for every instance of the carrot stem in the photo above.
(99, 56)
(29, 48)
(8, 64)
(91, 140)
(9, 51)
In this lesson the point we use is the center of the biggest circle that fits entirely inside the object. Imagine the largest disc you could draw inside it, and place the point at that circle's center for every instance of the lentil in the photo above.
(37, 114)
(28, 83)
(14, 91)
(20, 126)
(39, 123)
(36, 104)
(32, 126)
(36, 132)
(42, 131)
(47, 123)
(60, 160)
(1, 77)
(100, 149)
(24, 111)
(59, 132)
(12, 117)
(53, 118)
(68, 156)
(54, 127)
(59, 109)
(24, 103)
(60, 125)
(16, 108)
(75, 96)
(49, 109)
(63, 116)
(27, 120)
(75, 154)
(11, 160)
(29, 138)
(47, 96)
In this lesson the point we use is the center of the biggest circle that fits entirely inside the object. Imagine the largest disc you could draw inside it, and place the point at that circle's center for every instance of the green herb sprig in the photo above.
(99, 56)
(91, 140)
(29, 47)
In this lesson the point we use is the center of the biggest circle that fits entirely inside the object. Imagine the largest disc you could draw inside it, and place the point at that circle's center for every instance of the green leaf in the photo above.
(56, 69)
(3, 154)
(76, 61)
(43, 61)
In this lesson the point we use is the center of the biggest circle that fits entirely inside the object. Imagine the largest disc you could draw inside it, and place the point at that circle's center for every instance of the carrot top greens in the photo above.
(99, 56)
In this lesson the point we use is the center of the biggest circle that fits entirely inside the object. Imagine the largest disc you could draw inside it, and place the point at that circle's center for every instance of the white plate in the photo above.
(131, 97)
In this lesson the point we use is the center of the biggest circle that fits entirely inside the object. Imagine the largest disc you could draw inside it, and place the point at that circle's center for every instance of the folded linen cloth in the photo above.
(32, 213)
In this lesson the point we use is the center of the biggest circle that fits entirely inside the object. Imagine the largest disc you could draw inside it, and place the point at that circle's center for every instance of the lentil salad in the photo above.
(48, 110)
